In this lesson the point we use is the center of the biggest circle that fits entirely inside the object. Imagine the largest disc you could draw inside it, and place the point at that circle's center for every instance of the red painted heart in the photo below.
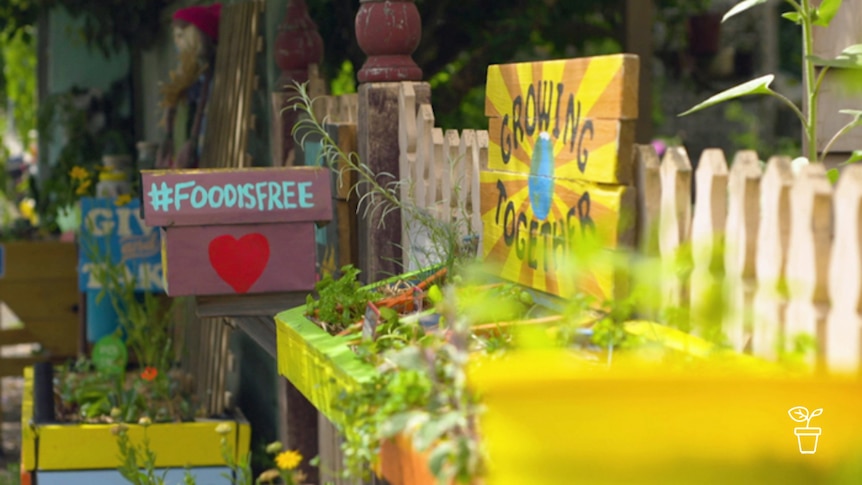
(239, 262)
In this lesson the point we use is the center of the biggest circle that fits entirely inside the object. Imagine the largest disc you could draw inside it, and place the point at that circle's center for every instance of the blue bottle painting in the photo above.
(541, 181)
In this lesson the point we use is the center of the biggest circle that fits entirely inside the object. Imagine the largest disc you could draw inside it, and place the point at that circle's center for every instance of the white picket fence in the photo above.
(439, 179)
(785, 249)
(792, 258)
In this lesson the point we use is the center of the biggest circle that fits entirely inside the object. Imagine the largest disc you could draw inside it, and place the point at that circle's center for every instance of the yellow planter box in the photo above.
(54, 447)
(319, 365)
(550, 418)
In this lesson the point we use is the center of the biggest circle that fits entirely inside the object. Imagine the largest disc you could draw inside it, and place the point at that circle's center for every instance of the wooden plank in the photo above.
(648, 182)
(535, 93)
(36, 260)
(422, 182)
(675, 224)
(809, 253)
(743, 216)
(707, 238)
(594, 150)
(843, 345)
(14, 366)
(236, 196)
(175, 444)
(773, 238)
(236, 259)
(534, 228)
(249, 305)
(348, 239)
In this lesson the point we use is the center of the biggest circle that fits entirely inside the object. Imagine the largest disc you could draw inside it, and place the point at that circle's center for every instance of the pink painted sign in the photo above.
(236, 196)
(238, 258)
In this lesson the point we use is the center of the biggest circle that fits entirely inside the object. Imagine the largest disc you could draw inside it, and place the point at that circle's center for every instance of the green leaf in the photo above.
(855, 113)
(433, 430)
(438, 457)
(832, 174)
(435, 295)
(854, 158)
(793, 17)
(755, 86)
(741, 7)
(400, 422)
(826, 12)
(849, 58)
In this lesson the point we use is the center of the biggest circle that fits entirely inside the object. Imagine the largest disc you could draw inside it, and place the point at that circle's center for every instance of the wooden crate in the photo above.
(39, 283)
(52, 453)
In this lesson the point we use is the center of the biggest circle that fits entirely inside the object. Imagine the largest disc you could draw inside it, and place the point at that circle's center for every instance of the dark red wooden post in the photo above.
(297, 45)
(388, 31)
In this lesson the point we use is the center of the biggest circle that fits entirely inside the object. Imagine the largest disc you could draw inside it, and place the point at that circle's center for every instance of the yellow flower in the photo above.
(83, 188)
(79, 173)
(123, 200)
(223, 428)
(269, 476)
(288, 460)
(145, 421)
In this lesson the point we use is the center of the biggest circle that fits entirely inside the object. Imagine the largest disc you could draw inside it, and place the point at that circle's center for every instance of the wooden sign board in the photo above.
(238, 258)
(533, 238)
(559, 159)
(584, 107)
(118, 232)
(238, 231)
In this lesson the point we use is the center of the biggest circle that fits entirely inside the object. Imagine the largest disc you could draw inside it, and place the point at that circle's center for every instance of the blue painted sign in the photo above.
(119, 231)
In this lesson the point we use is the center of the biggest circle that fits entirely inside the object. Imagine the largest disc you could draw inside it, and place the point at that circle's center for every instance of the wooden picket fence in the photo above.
(439, 178)
(785, 248)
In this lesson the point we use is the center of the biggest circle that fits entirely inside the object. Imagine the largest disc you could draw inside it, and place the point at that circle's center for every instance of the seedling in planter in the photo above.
(807, 16)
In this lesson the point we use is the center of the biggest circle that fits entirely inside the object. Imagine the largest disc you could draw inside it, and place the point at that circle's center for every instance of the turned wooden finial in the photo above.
(388, 31)
(297, 45)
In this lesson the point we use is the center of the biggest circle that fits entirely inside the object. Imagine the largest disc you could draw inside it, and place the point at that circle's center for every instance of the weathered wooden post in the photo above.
(843, 329)
(388, 32)
(297, 46)
(773, 237)
(743, 217)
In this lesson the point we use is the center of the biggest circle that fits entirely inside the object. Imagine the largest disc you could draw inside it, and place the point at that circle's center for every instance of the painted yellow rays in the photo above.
(585, 108)
(584, 104)
(555, 255)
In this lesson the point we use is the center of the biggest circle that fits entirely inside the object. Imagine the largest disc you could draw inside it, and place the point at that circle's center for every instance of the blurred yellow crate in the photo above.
(552, 419)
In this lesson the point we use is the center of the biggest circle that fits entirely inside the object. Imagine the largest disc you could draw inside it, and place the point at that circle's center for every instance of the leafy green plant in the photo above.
(805, 14)
(341, 302)
(421, 392)
(452, 240)
(10, 475)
